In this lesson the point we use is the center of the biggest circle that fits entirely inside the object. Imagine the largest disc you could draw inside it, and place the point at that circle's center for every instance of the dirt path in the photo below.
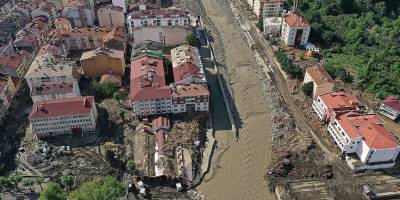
(242, 166)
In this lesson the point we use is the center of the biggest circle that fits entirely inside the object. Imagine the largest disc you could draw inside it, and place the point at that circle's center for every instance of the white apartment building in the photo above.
(186, 65)
(55, 90)
(189, 98)
(390, 107)
(266, 8)
(120, 3)
(50, 68)
(63, 116)
(329, 105)
(80, 13)
(365, 136)
(295, 29)
(272, 25)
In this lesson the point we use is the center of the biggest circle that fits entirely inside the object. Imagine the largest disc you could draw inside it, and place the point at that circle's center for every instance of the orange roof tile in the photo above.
(296, 20)
(319, 75)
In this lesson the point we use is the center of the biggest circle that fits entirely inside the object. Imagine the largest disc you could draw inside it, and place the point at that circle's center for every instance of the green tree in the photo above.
(67, 182)
(260, 24)
(15, 179)
(4, 182)
(110, 155)
(28, 182)
(52, 192)
(104, 90)
(131, 167)
(121, 114)
(308, 88)
(191, 39)
(39, 180)
(344, 75)
(100, 188)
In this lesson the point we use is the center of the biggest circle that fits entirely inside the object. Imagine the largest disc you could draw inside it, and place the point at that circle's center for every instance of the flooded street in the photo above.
(240, 164)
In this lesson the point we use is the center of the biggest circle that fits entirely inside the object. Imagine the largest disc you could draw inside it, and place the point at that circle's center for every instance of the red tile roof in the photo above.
(340, 101)
(319, 75)
(184, 71)
(370, 128)
(13, 61)
(62, 20)
(296, 20)
(191, 90)
(148, 79)
(110, 78)
(160, 122)
(79, 32)
(393, 102)
(62, 107)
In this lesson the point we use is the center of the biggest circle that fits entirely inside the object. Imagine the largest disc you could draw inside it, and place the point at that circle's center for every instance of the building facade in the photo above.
(79, 13)
(7, 92)
(111, 16)
(120, 3)
(390, 107)
(266, 8)
(272, 25)
(63, 116)
(47, 9)
(365, 136)
(295, 29)
(187, 66)
(101, 61)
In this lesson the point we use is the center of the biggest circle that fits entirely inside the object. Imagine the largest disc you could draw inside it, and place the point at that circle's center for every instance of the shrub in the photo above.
(308, 88)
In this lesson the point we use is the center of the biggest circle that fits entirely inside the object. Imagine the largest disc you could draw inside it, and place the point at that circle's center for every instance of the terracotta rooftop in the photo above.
(296, 20)
(148, 79)
(184, 71)
(117, 33)
(78, 32)
(62, 107)
(370, 128)
(52, 88)
(319, 75)
(340, 101)
(161, 122)
(113, 53)
(110, 78)
(191, 90)
(62, 20)
(393, 102)
(12, 61)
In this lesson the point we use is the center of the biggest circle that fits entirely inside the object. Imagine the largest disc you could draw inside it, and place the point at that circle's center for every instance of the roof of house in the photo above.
(110, 7)
(319, 75)
(148, 79)
(62, 107)
(48, 88)
(185, 71)
(340, 101)
(146, 48)
(112, 53)
(370, 128)
(12, 61)
(191, 90)
(62, 20)
(161, 122)
(116, 33)
(184, 54)
(79, 32)
(393, 102)
(296, 20)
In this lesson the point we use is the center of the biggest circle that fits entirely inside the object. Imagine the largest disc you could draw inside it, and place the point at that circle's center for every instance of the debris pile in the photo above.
(195, 195)
(45, 153)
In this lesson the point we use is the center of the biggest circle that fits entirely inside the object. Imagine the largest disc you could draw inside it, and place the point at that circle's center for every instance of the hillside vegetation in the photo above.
(362, 36)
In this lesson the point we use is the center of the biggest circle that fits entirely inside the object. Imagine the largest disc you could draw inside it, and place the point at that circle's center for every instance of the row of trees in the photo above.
(14, 180)
(293, 70)
(358, 36)
(100, 188)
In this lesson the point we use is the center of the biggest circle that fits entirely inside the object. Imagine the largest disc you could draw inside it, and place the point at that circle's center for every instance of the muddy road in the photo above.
(242, 165)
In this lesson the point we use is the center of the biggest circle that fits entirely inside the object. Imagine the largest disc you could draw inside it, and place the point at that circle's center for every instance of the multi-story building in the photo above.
(190, 98)
(150, 95)
(160, 126)
(146, 48)
(120, 3)
(329, 105)
(98, 62)
(365, 136)
(167, 26)
(80, 13)
(49, 66)
(63, 23)
(295, 29)
(39, 28)
(266, 8)
(54, 90)
(6, 7)
(15, 65)
(13, 22)
(322, 81)
(390, 107)
(26, 40)
(272, 25)
(63, 116)
(47, 9)
(90, 38)
(111, 16)
(6, 46)
(186, 65)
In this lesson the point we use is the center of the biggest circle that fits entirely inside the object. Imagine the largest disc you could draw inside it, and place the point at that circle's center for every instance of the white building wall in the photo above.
(389, 112)
(120, 3)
